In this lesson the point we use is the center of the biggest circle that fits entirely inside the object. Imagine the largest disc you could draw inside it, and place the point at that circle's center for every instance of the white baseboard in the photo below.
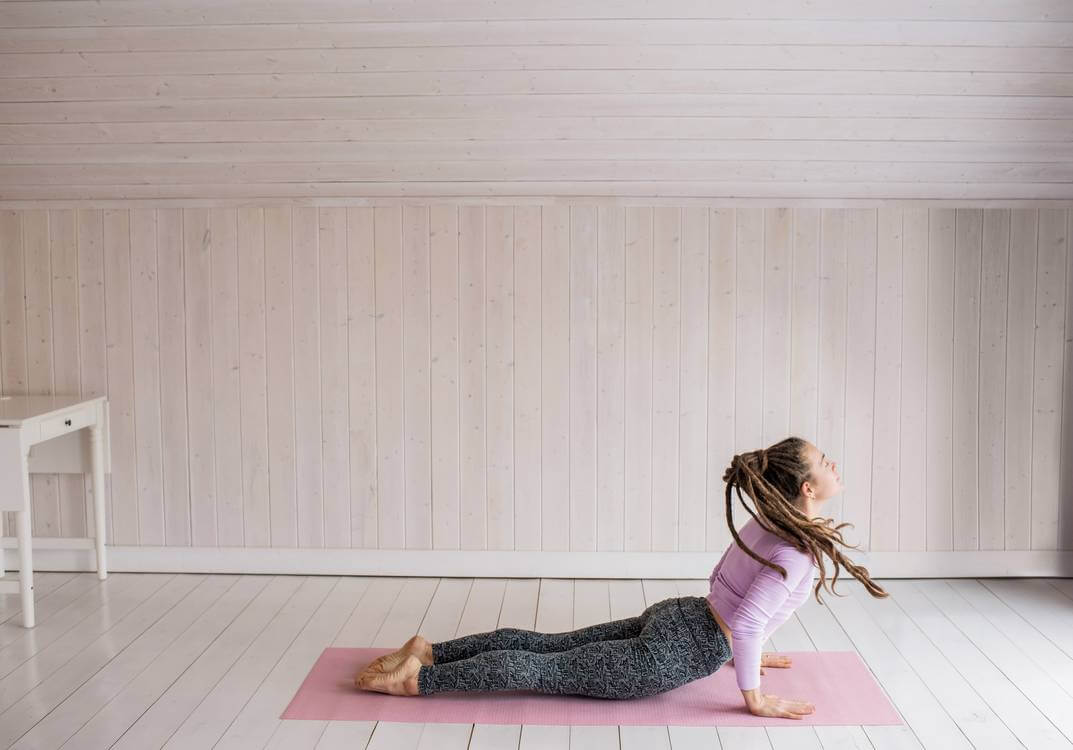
(77, 555)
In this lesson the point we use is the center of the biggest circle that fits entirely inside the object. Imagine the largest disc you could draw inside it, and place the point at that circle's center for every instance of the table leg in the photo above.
(97, 444)
(22, 529)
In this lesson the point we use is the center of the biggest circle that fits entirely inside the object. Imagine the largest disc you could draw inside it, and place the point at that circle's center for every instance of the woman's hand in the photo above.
(778, 661)
(774, 706)
(768, 659)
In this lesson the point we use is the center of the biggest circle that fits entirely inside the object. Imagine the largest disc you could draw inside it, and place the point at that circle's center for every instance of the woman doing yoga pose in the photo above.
(756, 585)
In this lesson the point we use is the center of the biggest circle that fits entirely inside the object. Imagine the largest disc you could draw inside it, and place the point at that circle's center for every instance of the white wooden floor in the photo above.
(145, 661)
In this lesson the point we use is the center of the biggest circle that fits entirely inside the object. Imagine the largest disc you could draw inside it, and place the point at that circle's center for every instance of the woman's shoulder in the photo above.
(763, 540)
(788, 554)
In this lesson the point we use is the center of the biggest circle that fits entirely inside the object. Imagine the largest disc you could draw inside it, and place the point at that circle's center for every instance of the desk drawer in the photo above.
(68, 421)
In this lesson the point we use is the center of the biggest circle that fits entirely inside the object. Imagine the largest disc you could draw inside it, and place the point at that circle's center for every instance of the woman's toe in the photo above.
(373, 682)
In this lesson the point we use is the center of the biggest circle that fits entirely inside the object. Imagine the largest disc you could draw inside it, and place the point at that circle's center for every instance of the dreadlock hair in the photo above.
(773, 479)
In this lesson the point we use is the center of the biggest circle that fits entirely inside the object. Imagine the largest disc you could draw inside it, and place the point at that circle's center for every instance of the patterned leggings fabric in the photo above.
(673, 642)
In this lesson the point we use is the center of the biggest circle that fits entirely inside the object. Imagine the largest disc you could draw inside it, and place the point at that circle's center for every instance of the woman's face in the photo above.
(825, 480)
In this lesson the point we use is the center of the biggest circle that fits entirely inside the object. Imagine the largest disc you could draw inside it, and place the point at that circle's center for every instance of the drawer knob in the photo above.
(67, 422)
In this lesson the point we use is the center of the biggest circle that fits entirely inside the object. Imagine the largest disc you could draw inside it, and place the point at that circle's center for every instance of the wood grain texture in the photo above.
(120, 101)
(526, 377)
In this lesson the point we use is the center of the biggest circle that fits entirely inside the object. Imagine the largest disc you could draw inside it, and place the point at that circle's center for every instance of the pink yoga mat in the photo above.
(838, 683)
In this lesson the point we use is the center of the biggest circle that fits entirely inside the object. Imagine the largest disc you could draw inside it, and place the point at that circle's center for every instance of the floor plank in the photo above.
(1033, 706)
(92, 613)
(76, 658)
(196, 661)
(889, 653)
(159, 723)
(141, 654)
(46, 584)
(214, 715)
(258, 720)
(142, 692)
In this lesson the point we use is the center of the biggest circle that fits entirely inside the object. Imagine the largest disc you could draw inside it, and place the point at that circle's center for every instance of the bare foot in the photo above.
(416, 646)
(401, 681)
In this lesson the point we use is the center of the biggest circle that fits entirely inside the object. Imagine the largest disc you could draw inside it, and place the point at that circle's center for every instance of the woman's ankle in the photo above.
(422, 648)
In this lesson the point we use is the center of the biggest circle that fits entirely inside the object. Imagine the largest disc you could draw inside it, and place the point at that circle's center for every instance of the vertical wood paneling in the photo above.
(610, 378)
(12, 318)
(778, 228)
(748, 337)
(197, 294)
(361, 288)
(1020, 342)
(333, 369)
(1065, 489)
(694, 386)
(831, 405)
(253, 419)
(528, 409)
(174, 424)
(940, 378)
(390, 454)
(722, 387)
(883, 499)
(582, 377)
(120, 361)
(1051, 303)
(147, 420)
(471, 332)
(67, 375)
(416, 407)
(499, 317)
(226, 378)
(92, 345)
(555, 378)
(913, 452)
(445, 377)
(994, 272)
(279, 347)
(666, 370)
(308, 471)
(638, 388)
(38, 271)
(13, 357)
(965, 404)
(804, 321)
(855, 468)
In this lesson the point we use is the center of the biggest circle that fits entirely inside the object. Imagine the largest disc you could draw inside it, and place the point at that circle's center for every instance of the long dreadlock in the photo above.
(773, 478)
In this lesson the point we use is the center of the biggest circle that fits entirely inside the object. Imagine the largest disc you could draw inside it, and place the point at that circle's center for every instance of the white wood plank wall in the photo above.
(497, 275)
(834, 100)
(567, 377)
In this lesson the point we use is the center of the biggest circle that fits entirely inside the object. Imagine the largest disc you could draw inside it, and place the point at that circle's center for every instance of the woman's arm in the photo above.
(756, 617)
(753, 699)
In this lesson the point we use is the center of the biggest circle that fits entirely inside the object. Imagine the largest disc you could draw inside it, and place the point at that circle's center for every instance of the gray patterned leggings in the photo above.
(673, 642)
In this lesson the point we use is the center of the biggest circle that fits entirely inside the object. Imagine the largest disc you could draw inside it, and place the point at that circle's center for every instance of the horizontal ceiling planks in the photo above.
(122, 101)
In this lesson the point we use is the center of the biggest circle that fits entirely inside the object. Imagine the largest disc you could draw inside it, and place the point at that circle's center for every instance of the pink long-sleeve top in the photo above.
(753, 599)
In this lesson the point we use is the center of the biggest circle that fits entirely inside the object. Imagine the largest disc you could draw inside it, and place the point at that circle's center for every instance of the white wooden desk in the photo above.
(48, 434)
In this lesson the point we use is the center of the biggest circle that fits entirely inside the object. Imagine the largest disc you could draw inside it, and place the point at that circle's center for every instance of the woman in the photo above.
(677, 640)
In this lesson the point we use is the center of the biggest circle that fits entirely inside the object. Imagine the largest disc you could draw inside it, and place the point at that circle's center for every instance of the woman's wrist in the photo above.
(753, 698)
